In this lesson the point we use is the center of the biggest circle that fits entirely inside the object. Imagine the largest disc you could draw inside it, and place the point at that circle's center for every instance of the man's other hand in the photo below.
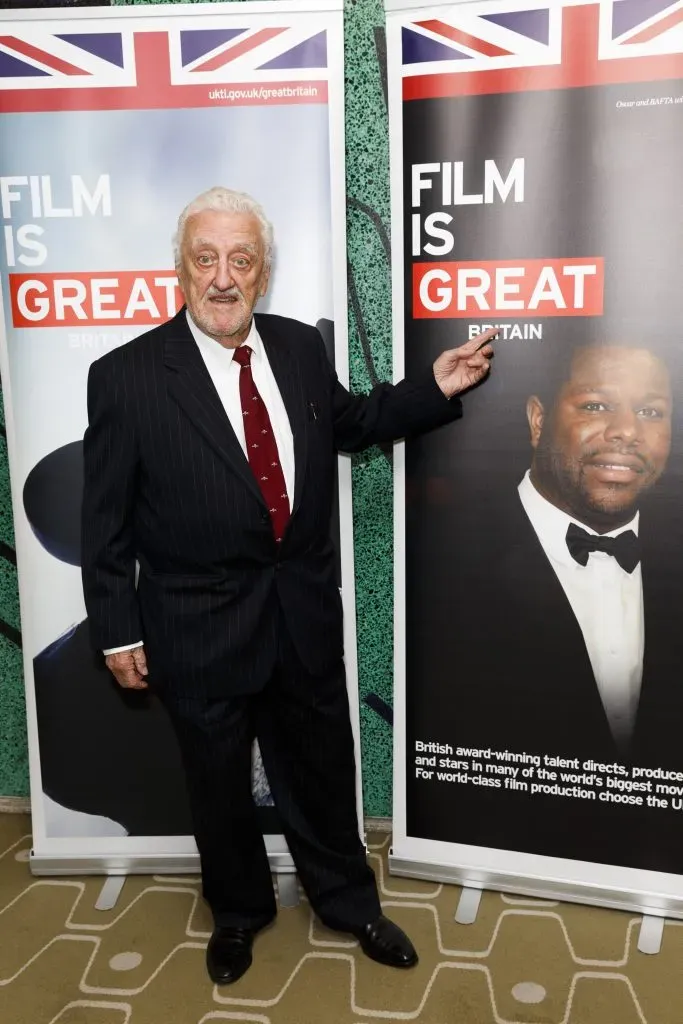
(129, 668)
(461, 368)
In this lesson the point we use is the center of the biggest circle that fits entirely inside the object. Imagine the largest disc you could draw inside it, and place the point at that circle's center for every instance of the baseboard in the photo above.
(378, 824)
(15, 805)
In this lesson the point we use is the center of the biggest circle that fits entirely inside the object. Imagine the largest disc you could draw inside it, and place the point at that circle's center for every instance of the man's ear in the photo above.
(265, 281)
(535, 414)
(179, 275)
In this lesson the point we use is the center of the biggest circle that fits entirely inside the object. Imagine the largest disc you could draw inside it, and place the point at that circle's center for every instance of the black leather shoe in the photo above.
(385, 942)
(228, 954)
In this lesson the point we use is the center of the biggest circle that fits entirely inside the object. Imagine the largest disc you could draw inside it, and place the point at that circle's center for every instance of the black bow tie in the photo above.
(625, 548)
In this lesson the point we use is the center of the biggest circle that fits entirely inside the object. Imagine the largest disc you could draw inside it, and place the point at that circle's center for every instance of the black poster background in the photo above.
(494, 659)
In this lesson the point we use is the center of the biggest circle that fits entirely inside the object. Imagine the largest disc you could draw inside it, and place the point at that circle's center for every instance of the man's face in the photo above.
(222, 273)
(607, 438)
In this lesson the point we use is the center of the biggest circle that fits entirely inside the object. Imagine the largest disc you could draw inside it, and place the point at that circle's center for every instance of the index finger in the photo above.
(478, 341)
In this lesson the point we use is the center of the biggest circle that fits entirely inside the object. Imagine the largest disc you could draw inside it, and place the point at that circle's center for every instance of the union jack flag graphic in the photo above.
(35, 59)
(208, 54)
(132, 68)
(494, 47)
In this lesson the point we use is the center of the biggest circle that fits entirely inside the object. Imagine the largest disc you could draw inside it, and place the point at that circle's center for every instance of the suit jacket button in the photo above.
(265, 517)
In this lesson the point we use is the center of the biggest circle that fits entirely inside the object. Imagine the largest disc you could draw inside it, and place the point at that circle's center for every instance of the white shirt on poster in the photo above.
(607, 603)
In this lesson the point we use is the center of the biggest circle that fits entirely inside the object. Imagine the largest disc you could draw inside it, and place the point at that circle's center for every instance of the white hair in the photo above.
(226, 200)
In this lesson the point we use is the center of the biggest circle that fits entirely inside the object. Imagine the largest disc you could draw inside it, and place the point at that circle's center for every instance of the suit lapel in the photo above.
(190, 385)
(284, 363)
(562, 670)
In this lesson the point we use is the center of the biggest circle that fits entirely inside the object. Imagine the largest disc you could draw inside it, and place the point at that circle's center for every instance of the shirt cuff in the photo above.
(117, 650)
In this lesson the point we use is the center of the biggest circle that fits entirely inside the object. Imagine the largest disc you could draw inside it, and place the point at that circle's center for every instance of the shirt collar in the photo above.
(551, 523)
(215, 350)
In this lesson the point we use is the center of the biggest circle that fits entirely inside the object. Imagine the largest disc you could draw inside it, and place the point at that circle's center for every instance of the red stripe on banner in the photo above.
(675, 18)
(509, 288)
(221, 59)
(154, 90)
(48, 59)
(152, 64)
(580, 67)
(464, 38)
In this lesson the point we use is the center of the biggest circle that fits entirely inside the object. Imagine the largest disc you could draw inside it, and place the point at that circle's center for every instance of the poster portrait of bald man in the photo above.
(563, 608)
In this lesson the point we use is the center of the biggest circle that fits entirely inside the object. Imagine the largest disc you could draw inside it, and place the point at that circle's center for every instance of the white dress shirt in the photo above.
(225, 374)
(607, 602)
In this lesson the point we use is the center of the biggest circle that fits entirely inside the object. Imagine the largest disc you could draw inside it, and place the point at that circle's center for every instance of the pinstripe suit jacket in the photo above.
(166, 482)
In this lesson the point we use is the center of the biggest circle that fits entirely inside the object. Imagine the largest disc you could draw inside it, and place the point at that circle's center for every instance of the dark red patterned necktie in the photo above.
(262, 452)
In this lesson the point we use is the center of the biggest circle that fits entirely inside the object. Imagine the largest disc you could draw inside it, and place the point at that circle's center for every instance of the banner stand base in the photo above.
(468, 905)
(663, 906)
(650, 935)
(286, 881)
(110, 892)
(287, 890)
(112, 865)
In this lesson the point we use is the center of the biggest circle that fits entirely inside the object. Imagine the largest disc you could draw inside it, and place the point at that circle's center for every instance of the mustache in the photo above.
(624, 450)
(225, 293)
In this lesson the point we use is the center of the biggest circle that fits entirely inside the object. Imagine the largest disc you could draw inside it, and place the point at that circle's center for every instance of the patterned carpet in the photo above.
(523, 961)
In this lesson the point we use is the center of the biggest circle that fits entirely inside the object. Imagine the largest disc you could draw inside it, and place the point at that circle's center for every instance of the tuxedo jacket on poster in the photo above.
(521, 680)
(166, 482)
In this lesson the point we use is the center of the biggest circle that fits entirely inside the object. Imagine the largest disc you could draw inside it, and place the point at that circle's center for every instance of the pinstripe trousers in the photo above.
(303, 727)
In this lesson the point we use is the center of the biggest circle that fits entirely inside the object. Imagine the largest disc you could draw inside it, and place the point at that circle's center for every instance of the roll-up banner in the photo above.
(536, 178)
(111, 121)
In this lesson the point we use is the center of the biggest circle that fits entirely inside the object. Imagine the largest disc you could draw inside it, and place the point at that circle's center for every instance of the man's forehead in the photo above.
(236, 241)
(222, 226)
(615, 364)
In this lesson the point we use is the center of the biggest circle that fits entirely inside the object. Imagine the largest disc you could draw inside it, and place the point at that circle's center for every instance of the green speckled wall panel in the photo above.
(367, 187)
(370, 340)
(13, 750)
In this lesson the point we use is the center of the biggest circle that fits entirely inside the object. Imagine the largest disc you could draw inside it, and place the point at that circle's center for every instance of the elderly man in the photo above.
(210, 459)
